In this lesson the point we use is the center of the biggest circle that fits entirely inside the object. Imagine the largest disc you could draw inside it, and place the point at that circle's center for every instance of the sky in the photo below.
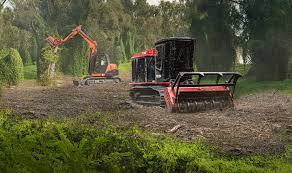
(155, 2)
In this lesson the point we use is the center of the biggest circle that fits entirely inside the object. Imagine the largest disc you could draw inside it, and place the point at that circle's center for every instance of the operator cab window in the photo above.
(158, 62)
(138, 67)
(150, 63)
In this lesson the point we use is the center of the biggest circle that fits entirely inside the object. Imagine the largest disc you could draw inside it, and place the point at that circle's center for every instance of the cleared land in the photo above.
(257, 124)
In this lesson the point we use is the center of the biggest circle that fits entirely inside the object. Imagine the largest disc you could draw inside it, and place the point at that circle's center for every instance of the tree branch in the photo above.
(236, 2)
(2, 4)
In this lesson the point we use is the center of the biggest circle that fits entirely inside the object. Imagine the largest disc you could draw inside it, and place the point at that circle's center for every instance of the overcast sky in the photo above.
(155, 2)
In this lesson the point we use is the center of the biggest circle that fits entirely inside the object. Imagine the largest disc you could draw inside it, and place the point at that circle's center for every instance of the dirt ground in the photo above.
(257, 124)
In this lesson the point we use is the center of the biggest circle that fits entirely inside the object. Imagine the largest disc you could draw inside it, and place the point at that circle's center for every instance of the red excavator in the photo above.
(165, 76)
(100, 69)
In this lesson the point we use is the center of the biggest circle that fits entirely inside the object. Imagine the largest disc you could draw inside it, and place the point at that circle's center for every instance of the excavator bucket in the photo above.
(187, 93)
(53, 42)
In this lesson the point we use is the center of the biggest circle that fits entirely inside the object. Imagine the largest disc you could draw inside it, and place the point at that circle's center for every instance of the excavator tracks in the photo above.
(96, 80)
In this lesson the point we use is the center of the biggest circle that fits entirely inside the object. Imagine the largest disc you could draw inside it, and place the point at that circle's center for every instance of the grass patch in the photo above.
(30, 72)
(125, 67)
(251, 86)
(70, 145)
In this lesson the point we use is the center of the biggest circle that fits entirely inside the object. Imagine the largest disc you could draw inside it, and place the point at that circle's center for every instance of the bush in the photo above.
(11, 67)
(75, 60)
(47, 66)
(271, 59)
(71, 146)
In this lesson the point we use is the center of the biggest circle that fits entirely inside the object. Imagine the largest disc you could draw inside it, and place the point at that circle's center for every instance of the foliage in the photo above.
(270, 59)
(11, 67)
(78, 63)
(125, 67)
(30, 72)
(29, 145)
(211, 24)
(251, 85)
(243, 69)
(267, 31)
(47, 66)
(13, 36)
(120, 27)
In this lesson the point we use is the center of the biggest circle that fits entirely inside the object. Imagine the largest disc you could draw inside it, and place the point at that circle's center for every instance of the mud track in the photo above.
(257, 124)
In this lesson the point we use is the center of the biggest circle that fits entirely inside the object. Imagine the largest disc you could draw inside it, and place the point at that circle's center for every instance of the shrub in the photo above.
(11, 67)
(71, 146)
(75, 61)
(47, 66)
(270, 59)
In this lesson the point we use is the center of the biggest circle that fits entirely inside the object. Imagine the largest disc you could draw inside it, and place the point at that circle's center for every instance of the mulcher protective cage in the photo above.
(183, 80)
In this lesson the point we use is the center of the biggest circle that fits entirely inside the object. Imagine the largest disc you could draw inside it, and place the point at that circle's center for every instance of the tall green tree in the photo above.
(211, 24)
(267, 30)
(120, 27)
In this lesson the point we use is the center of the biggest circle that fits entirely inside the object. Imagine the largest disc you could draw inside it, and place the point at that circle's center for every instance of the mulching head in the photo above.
(188, 95)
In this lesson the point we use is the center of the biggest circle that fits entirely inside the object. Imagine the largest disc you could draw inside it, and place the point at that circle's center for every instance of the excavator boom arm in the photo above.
(76, 31)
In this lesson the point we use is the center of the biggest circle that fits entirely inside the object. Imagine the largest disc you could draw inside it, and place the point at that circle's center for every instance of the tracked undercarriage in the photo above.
(90, 80)
(188, 96)
(148, 95)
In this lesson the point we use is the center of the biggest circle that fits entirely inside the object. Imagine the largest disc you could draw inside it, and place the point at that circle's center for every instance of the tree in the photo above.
(47, 64)
(120, 27)
(211, 24)
(267, 29)
(2, 3)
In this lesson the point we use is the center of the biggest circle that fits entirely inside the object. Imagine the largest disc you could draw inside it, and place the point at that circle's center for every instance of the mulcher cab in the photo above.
(165, 76)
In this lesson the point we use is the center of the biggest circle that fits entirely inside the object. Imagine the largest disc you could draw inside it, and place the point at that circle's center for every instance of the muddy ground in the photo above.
(259, 123)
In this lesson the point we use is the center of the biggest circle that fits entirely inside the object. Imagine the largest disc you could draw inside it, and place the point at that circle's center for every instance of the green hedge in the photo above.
(48, 59)
(72, 145)
(11, 67)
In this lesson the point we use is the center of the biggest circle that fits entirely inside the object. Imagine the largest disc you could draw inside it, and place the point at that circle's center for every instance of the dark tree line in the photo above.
(262, 28)
(122, 27)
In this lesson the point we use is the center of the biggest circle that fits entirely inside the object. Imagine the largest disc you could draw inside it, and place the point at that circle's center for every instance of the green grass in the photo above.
(30, 72)
(125, 67)
(75, 145)
(250, 86)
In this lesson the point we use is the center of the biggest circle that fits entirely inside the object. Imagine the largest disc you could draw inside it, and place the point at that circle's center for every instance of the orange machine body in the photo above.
(95, 69)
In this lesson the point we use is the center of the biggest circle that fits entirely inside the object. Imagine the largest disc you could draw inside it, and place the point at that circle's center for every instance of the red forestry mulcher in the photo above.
(165, 76)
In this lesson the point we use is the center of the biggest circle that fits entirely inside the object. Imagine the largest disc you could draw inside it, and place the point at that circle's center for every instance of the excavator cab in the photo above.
(100, 65)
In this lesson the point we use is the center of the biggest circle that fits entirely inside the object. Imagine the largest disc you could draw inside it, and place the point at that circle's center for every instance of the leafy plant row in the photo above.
(35, 145)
